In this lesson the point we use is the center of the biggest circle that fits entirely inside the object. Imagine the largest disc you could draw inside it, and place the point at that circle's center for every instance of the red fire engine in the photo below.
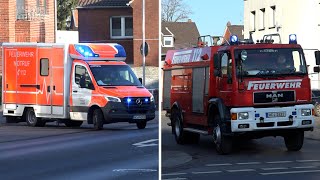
(237, 90)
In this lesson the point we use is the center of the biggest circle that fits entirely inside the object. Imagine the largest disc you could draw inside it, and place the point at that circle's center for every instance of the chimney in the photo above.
(189, 20)
(228, 23)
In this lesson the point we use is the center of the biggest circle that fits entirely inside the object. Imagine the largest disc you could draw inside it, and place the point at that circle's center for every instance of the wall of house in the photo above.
(94, 26)
(151, 31)
(290, 17)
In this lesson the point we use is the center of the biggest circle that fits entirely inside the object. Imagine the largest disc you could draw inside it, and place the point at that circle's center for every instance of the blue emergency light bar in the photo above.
(121, 51)
(85, 51)
(234, 39)
(292, 39)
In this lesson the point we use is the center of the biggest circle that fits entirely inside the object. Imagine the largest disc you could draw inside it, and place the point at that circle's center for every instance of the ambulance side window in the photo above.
(44, 67)
(82, 77)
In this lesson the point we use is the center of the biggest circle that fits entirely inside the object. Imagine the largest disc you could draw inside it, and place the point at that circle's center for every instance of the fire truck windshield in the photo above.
(114, 75)
(270, 62)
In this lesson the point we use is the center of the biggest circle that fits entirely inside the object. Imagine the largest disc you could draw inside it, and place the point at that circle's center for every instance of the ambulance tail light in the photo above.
(121, 51)
(85, 51)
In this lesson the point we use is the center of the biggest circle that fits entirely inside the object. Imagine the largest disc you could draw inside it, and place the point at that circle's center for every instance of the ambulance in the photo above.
(72, 83)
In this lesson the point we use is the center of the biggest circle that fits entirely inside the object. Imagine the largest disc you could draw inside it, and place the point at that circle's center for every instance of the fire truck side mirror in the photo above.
(316, 69)
(317, 55)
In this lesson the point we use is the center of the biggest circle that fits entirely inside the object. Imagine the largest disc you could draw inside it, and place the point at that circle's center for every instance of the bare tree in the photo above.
(174, 10)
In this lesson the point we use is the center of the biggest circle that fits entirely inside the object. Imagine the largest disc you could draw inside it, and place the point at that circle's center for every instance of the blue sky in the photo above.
(211, 16)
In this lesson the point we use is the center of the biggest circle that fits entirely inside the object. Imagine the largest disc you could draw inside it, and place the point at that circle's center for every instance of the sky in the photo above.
(211, 16)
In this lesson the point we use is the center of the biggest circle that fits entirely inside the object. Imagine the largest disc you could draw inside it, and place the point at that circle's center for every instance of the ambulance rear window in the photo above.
(44, 66)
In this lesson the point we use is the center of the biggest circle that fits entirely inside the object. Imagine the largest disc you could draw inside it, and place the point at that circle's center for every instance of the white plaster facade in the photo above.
(300, 17)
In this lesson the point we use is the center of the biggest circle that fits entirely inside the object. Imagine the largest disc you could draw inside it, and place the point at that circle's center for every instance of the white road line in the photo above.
(174, 174)
(138, 170)
(178, 178)
(276, 168)
(308, 160)
(279, 162)
(290, 172)
(146, 143)
(248, 163)
(208, 172)
(225, 164)
(241, 170)
(304, 167)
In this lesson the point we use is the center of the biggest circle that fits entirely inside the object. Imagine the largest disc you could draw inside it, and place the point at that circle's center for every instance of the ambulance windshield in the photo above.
(270, 62)
(114, 75)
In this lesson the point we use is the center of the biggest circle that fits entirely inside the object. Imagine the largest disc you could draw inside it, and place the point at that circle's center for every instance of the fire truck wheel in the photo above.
(11, 119)
(97, 119)
(223, 143)
(294, 141)
(142, 124)
(317, 110)
(33, 120)
(71, 123)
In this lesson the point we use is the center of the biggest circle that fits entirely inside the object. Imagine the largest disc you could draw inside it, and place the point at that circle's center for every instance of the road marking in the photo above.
(138, 170)
(308, 160)
(208, 172)
(290, 172)
(279, 162)
(174, 174)
(304, 167)
(146, 143)
(248, 163)
(178, 178)
(225, 164)
(241, 170)
(276, 168)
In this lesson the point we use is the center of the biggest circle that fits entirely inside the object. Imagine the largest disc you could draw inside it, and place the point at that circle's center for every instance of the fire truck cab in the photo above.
(239, 90)
(72, 83)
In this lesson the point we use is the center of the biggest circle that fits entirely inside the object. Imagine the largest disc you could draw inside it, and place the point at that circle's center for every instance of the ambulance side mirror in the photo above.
(140, 79)
(317, 56)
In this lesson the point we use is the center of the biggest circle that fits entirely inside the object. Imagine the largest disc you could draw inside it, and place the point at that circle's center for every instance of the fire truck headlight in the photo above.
(306, 112)
(151, 98)
(243, 115)
(113, 99)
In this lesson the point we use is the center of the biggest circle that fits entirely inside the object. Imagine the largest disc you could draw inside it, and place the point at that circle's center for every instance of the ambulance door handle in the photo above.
(7, 85)
(48, 88)
(54, 88)
(75, 91)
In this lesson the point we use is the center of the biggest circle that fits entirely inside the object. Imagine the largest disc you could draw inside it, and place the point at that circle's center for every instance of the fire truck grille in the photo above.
(136, 104)
(273, 97)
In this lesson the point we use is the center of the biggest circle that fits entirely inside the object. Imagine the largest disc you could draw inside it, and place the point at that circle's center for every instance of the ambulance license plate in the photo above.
(276, 114)
(139, 117)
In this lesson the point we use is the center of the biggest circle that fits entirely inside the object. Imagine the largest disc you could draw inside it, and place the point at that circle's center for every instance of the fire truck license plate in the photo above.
(276, 114)
(139, 117)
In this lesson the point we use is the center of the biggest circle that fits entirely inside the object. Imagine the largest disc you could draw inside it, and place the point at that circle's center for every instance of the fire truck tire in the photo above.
(294, 141)
(33, 120)
(97, 119)
(179, 133)
(71, 123)
(223, 143)
(142, 124)
(11, 119)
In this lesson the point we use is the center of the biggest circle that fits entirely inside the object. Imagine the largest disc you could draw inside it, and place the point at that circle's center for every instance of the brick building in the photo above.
(26, 21)
(116, 22)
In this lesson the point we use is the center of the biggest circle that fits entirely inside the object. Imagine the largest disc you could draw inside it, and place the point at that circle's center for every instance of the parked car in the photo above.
(316, 101)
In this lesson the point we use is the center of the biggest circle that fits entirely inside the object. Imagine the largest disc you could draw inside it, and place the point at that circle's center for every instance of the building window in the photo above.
(252, 21)
(167, 41)
(121, 27)
(318, 14)
(41, 7)
(262, 18)
(272, 17)
(20, 5)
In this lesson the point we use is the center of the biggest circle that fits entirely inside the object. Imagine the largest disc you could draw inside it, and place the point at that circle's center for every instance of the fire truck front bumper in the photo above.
(276, 118)
(117, 112)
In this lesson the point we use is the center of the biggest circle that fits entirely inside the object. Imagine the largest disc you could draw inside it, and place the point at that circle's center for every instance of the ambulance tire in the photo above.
(33, 120)
(11, 119)
(142, 124)
(223, 143)
(98, 119)
(294, 140)
(71, 123)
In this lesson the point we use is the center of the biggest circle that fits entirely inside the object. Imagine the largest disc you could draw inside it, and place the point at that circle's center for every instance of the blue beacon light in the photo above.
(85, 51)
(128, 100)
(234, 39)
(292, 39)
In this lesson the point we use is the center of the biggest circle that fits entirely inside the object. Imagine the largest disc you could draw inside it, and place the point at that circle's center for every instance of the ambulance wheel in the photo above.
(142, 124)
(294, 140)
(223, 143)
(32, 119)
(11, 119)
(71, 123)
(97, 119)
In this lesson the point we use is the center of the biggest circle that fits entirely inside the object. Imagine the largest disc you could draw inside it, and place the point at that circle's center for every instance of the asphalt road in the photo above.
(120, 151)
(265, 158)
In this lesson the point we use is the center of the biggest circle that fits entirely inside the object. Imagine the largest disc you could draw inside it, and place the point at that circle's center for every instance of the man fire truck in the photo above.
(239, 90)
(72, 83)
